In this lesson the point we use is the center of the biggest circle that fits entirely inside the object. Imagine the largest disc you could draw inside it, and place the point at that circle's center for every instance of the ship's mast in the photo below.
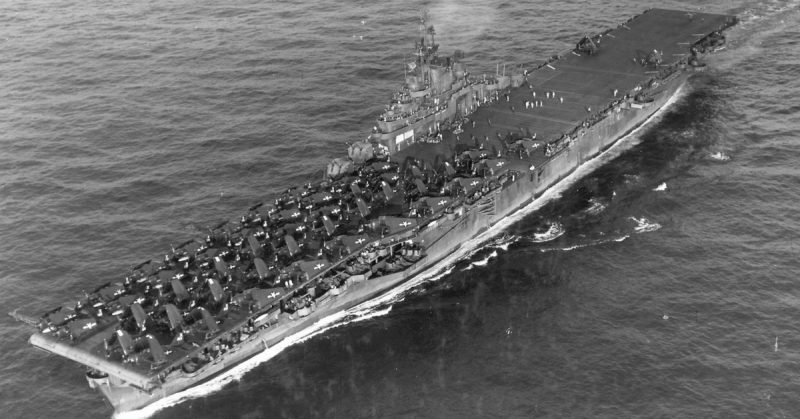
(427, 48)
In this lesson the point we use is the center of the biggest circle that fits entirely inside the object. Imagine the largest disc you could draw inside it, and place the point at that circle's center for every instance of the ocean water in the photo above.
(661, 284)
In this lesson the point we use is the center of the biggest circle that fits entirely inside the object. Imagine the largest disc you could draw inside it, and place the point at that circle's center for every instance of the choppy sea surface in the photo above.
(664, 283)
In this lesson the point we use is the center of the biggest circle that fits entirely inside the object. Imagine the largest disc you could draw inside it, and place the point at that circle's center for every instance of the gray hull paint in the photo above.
(440, 241)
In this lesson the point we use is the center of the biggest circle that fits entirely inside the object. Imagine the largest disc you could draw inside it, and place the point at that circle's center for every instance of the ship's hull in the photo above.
(440, 239)
(494, 168)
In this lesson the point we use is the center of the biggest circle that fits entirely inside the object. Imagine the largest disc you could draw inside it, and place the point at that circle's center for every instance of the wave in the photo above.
(555, 231)
(719, 156)
(631, 179)
(643, 225)
(482, 262)
(504, 241)
(757, 24)
(582, 245)
(596, 206)
(498, 243)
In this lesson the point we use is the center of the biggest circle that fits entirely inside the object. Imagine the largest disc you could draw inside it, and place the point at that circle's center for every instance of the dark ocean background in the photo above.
(126, 127)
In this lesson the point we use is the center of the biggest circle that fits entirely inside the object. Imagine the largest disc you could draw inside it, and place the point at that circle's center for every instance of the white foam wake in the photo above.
(720, 156)
(597, 206)
(555, 231)
(501, 243)
(582, 245)
(485, 261)
(504, 241)
(482, 262)
(368, 310)
(643, 225)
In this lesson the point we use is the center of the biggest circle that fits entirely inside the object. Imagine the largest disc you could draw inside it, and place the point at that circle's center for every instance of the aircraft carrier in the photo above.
(451, 156)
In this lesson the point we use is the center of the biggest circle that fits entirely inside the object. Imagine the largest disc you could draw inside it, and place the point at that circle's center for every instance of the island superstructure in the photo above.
(451, 156)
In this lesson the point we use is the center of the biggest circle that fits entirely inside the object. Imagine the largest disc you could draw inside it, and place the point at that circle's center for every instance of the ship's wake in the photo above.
(643, 225)
(596, 207)
(497, 243)
(586, 244)
(757, 24)
(382, 305)
(553, 232)
(503, 242)
(719, 156)
(481, 262)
